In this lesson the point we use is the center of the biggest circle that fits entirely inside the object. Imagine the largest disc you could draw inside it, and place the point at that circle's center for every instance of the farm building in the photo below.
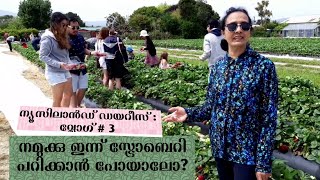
(303, 26)
(88, 32)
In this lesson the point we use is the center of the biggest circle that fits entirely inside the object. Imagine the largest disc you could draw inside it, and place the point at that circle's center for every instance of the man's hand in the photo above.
(262, 176)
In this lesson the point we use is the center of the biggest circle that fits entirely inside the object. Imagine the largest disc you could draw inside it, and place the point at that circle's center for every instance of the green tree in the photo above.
(263, 12)
(271, 25)
(204, 14)
(163, 7)
(170, 24)
(139, 22)
(195, 16)
(118, 22)
(144, 18)
(16, 23)
(76, 16)
(190, 30)
(150, 11)
(278, 29)
(187, 9)
(176, 14)
(35, 13)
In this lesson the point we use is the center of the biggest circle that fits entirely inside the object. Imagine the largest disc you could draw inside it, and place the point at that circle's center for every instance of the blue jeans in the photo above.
(233, 171)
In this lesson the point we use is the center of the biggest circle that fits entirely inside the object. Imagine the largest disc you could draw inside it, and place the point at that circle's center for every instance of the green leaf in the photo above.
(278, 137)
(209, 152)
(311, 158)
(316, 112)
(314, 144)
(294, 90)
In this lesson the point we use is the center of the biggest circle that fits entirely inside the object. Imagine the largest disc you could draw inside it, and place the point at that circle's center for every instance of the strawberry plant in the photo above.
(299, 117)
(292, 46)
(280, 171)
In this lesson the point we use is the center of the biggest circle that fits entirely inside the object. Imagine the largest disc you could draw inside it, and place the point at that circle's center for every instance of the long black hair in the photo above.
(224, 43)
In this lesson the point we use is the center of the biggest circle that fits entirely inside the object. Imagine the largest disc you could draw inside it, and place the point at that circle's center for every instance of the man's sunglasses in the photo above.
(244, 26)
(74, 27)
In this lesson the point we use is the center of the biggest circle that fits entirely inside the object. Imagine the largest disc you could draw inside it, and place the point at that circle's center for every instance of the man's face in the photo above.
(73, 28)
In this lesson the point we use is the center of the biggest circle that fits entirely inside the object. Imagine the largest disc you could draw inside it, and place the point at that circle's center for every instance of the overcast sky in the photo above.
(96, 10)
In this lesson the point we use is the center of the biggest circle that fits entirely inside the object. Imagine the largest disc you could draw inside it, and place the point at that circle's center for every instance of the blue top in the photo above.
(78, 47)
(241, 102)
(129, 49)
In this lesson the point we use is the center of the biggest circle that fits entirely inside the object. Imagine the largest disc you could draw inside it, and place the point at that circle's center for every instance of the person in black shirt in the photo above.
(77, 55)
(151, 56)
(36, 43)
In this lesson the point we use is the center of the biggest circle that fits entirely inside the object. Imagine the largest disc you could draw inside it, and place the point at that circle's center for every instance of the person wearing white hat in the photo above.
(151, 56)
(144, 33)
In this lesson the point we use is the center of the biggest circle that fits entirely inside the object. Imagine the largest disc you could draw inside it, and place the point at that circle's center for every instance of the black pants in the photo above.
(232, 171)
(10, 45)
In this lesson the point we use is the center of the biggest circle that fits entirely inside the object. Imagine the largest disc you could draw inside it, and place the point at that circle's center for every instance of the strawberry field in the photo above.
(299, 47)
(299, 108)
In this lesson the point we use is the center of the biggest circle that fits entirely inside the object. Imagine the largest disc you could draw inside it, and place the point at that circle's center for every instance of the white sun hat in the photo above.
(144, 33)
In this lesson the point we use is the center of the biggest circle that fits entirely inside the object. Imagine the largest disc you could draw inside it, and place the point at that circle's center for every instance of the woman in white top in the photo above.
(164, 61)
(103, 33)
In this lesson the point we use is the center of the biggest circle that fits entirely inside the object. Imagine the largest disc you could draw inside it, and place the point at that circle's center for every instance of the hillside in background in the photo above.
(2, 13)
(95, 23)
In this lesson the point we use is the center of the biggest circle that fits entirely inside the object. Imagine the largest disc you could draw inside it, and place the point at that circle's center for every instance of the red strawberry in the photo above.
(200, 168)
(201, 177)
(284, 148)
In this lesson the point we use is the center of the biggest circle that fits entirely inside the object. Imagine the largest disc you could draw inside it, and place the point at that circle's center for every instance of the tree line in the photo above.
(186, 19)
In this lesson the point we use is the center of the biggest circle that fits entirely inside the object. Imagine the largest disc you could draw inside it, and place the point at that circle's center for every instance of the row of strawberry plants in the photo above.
(299, 118)
(205, 164)
(184, 86)
(299, 102)
(291, 46)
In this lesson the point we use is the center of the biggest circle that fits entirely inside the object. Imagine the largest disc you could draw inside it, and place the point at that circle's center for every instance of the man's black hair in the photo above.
(213, 23)
(73, 19)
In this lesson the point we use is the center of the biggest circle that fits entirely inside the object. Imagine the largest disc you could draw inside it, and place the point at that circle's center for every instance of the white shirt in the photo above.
(99, 48)
(163, 64)
(212, 49)
(10, 38)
